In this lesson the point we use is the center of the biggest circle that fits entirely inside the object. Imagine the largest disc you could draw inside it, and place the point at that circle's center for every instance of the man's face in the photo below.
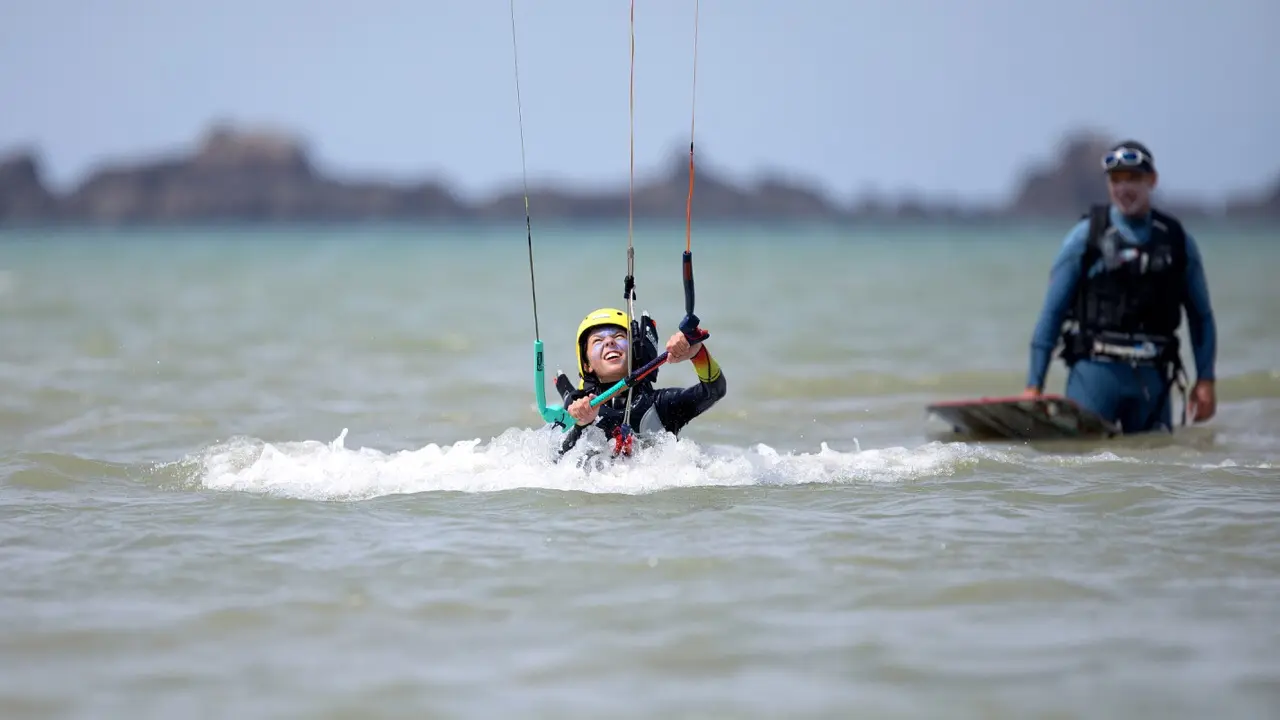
(1130, 190)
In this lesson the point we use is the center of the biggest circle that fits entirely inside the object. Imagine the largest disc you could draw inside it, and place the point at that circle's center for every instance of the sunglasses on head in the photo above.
(1126, 157)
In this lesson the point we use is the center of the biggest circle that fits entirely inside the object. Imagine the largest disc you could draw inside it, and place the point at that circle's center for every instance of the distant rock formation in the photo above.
(714, 198)
(23, 196)
(238, 175)
(241, 176)
(1068, 185)
(1263, 206)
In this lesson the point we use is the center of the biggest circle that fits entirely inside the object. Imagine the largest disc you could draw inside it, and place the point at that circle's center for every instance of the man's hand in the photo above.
(678, 348)
(582, 411)
(1203, 401)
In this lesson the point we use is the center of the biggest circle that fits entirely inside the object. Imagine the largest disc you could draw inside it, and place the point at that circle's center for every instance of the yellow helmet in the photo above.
(593, 320)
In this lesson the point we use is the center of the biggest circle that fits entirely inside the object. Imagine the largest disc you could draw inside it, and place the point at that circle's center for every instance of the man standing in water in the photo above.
(1121, 280)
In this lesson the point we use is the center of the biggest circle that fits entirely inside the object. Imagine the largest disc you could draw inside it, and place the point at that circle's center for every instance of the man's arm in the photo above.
(1063, 278)
(1200, 323)
(677, 408)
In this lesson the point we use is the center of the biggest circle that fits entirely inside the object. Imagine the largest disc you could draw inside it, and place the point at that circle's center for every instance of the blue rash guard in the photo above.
(1117, 391)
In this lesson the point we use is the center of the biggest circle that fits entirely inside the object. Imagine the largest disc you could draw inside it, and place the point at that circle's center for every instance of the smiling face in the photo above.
(1130, 190)
(607, 353)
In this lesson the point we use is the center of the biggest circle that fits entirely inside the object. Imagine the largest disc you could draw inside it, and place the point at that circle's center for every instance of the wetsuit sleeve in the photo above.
(1063, 278)
(1200, 323)
(677, 407)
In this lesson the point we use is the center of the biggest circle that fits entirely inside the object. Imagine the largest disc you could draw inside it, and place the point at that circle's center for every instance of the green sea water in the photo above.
(297, 472)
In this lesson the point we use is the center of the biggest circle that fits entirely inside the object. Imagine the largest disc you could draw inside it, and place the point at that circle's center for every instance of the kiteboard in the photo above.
(1045, 417)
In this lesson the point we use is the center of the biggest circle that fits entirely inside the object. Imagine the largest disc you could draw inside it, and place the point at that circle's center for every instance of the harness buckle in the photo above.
(1134, 349)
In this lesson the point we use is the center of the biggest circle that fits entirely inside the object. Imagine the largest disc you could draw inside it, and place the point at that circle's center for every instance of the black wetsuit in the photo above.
(652, 409)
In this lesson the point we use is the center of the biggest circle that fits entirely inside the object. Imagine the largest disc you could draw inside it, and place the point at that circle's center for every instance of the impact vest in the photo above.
(1129, 296)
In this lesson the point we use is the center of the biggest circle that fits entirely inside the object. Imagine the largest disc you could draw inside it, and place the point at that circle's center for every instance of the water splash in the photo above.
(522, 458)
(525, 458)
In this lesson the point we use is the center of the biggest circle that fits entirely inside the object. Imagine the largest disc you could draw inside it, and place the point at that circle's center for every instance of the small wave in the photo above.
(525, 459)
(1254, 385)
(57, 471)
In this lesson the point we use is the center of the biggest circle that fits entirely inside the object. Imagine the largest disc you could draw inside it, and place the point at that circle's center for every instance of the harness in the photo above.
(612, 417)
(1128, 301)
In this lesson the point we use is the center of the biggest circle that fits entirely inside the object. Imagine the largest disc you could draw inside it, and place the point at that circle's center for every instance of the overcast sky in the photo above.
(946, 97)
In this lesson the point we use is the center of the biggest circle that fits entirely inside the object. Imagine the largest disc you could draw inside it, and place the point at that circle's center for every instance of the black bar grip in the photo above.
(688, 283)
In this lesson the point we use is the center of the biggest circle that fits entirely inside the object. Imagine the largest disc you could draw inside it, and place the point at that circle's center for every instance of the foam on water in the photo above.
(525, 458)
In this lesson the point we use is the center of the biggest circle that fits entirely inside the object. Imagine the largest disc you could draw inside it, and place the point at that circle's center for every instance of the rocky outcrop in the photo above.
(1069, 184)
(666, 197)
(238, 175)
(1264, 206)
(1074, 181)
(23, 196)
